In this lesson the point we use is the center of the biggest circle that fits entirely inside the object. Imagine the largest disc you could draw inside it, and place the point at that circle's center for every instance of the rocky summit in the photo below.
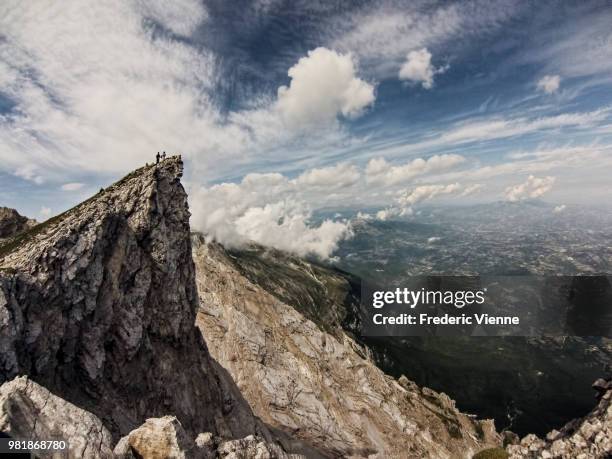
(129, 337)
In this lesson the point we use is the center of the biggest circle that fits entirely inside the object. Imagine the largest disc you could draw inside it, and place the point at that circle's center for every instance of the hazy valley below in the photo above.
(525, 384)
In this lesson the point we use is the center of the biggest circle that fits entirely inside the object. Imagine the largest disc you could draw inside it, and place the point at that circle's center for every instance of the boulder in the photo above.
(158, 438)
(28, 411)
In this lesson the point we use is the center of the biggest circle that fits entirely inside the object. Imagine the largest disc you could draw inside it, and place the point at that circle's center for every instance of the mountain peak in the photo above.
(135, 196)
(99, 307)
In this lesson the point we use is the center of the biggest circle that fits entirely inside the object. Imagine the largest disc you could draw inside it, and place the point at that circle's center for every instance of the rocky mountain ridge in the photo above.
(98, 306)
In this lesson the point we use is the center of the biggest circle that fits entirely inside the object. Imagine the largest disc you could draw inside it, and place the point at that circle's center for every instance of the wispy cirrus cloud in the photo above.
(499, 128)
(72, 186)
(119, 84)
(460, 136)
(384, 34)
(380, 172)
(109, 92)
(578, 48)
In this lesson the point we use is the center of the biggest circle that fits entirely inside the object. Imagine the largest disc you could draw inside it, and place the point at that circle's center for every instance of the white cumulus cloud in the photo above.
(560, 208)
(549, 83)
(273, 210)
(409, 197)
(324, 85)
(285, 225)
(472, 189)
(421, 193)
(533, 187)
(419, 69)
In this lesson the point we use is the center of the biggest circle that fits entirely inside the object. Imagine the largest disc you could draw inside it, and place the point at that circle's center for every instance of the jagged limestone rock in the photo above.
(165, 438)
(586, 438)
(28, 411)
(12, 223)
(158, 438)
(245, 448)
(98, 305)
(321, 387)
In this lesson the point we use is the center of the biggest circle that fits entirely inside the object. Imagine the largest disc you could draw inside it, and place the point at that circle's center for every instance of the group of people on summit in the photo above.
(161, 157)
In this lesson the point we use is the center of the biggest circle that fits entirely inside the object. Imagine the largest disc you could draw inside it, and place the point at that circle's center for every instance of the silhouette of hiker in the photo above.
(157, 157)
(164, 155)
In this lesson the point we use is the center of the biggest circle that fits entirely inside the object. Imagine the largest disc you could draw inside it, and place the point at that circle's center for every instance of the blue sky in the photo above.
(324, 104)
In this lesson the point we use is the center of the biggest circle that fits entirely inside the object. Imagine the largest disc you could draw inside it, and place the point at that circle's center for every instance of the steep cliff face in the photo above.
(98, 305)
(319, 384)
(327, 296)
